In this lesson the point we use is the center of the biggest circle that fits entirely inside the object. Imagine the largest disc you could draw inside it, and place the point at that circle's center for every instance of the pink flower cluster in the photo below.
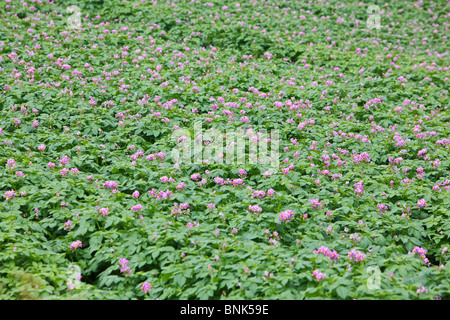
(255, 208)
(356, 255)
(183, 208)
(146, 287)
(136, 155)
(64, 160)
(124, 267)
(110, 184)
(9, 195)
(443, 142)
(332, 255)
(68, 225)
(359, 187)
(382, 208)
(258, 193)
(421, 203)
(234, 182)
(319, 276)
(152, 157)
(422, 254)
(242, 173)
(421, 152)
(161, 194)
(75, 245)
(363, 157)
(355, 237)
(180, 186)
(104, 211)
(421, 289)
(165, 179)
(11, 164)
(286, 216)
(137, 207)
(315, 203)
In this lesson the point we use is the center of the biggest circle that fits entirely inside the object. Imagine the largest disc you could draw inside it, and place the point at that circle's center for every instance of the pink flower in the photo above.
(181, 185)
(356, 255)
(286, 216)
(20, 174)
(64, 160)
(359, 187)
(104, 211)
(421, 203)
(110, 184)
(9, 195)
(315, 203)
(146, 287)
(382, 208)
(11, 164)
(422, 254)
(332, 255)
(75, 245)
(136, 207)
(319, 276)
(124, 268)
(67, 225)
(255, 208)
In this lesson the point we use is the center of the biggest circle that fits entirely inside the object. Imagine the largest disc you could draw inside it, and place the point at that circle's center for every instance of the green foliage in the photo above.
(141, 69)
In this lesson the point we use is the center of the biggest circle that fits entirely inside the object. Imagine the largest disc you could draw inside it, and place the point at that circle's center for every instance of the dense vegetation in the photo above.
(358, 209)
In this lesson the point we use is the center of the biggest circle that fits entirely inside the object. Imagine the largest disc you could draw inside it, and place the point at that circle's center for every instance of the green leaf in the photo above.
(342, 292)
